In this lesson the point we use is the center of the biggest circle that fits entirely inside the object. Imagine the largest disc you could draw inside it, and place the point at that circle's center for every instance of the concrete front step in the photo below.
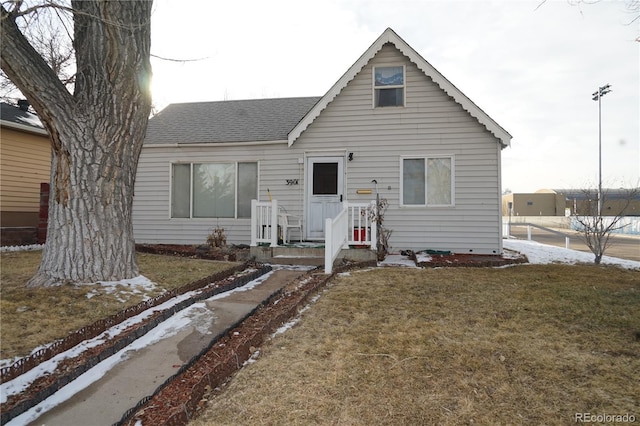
(312, 256)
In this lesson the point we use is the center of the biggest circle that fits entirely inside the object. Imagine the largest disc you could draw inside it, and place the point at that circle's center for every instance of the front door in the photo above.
(325, 188)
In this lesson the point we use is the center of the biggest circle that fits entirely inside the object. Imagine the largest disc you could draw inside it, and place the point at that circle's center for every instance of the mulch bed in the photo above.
(241, 253)
(234, 253)
(468, 260)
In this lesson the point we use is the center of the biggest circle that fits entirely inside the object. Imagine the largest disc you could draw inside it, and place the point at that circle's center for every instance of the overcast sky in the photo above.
(532, 69)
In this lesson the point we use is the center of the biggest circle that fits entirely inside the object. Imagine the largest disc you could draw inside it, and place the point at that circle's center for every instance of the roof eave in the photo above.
(23, 128)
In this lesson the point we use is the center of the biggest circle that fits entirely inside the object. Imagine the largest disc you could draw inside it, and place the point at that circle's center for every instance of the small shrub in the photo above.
(376, 215)
(217, 239)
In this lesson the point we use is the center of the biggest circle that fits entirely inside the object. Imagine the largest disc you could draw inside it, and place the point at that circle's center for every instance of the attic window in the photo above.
(388, 85)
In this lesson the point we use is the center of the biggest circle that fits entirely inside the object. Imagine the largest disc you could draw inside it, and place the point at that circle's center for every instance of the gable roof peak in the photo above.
(390, 36)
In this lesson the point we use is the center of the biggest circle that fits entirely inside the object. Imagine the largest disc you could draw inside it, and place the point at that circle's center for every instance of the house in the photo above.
(24, 165)
(391, 126)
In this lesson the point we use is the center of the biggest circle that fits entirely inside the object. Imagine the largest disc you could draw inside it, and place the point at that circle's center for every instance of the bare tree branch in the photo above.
(178, 60)
(540, 5)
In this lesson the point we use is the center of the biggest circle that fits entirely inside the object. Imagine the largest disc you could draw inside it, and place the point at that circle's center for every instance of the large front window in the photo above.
(213, 190)
(427, 181)
(388, 86)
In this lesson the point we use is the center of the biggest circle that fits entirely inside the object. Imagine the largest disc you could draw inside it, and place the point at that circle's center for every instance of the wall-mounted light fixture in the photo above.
(350, 156)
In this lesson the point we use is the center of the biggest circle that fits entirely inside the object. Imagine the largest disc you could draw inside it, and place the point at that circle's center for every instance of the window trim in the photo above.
(426, 159)
(191, 188)
(402, 86)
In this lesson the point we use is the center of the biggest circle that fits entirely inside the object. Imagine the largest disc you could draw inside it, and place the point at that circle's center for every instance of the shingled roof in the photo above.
(16, 118)
(228, 121)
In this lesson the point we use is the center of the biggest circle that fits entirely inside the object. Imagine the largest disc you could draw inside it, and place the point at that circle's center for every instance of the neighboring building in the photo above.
(391, 118)
(540, 203)
(24, 164)
(615, 201)
(567, 202)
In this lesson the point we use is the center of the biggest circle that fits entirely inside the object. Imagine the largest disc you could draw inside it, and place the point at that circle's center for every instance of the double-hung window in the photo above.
(213, 190)
(427, 181)
(388, 86)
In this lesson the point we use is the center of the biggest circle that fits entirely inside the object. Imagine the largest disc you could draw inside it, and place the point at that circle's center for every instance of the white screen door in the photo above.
(325, 188)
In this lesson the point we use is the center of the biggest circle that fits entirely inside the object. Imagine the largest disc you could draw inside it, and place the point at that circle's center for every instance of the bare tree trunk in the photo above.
(96, 136)
(90, 233)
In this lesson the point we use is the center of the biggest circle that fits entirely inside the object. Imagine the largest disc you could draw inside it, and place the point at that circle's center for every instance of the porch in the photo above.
(349, 236)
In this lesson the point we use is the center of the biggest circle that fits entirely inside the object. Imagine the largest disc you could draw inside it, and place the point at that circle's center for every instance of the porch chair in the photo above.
(287, 222)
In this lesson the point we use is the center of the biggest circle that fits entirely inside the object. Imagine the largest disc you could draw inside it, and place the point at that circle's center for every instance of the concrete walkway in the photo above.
(105, 401)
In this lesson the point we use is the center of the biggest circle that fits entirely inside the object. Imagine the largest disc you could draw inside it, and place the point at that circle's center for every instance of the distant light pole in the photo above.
(597, 96)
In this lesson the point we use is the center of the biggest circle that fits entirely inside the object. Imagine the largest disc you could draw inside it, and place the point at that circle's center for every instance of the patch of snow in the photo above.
(31, 247)
(288, 325)
(253, 358)
(276, 267)
(137, 285)
(31, 120)
(543, 254)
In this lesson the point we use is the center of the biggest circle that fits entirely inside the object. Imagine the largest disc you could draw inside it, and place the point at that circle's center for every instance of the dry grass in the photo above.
(522, 345)
(32, 317)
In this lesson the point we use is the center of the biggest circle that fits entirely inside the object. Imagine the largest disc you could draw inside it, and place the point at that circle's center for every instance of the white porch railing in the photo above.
(264, 220)
(352, 226)
(361, 232)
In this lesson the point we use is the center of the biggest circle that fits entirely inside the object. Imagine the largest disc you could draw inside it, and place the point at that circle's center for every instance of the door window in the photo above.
(325, 178)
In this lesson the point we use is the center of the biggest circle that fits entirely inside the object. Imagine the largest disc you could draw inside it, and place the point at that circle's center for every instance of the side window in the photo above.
(427, 181)
(247, 187)
(181, 190)
(388, 86)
